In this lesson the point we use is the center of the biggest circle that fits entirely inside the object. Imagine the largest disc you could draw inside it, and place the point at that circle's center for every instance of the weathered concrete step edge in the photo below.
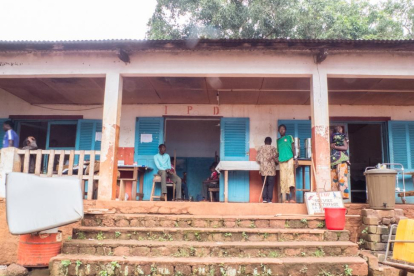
(135, 220)
(209, 249)
(85, 265)
(208, 234)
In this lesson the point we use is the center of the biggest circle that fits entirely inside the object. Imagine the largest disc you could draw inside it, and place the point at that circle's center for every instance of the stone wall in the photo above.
(375, 227)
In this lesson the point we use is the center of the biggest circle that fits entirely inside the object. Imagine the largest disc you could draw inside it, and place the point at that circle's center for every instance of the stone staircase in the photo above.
(136, 244)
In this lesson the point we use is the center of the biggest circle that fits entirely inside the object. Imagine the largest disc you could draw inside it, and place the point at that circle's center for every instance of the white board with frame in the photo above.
(314, 201)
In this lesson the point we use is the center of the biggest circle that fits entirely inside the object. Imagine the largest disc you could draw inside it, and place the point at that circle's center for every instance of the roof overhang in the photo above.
(313, 45)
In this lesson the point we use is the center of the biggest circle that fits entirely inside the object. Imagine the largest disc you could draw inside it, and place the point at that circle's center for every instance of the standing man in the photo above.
(163, 163)
(10, 139)
(266, 157)
(288, 162)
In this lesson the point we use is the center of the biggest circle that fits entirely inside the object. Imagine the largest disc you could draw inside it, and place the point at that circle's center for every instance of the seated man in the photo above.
(163, 163)
(211, 182)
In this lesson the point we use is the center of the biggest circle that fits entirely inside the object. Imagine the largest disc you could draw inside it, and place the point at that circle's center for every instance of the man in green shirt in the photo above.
(288, 162)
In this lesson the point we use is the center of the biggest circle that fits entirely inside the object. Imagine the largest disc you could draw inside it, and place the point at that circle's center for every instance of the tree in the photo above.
(318, 19)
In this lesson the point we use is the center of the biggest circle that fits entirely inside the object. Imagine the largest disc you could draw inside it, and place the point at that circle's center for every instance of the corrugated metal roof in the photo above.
(208, 44)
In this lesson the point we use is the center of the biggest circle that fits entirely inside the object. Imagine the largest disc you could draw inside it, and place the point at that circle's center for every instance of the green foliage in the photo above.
(267, 19)
(100, 236)
(319, 253)
(347, 271)
(103, 273)
(117, 234)
(78, 264)
(321, 224)
(65, 263)
(365, 231)
(228, 234)
(245, 236)
(274, 254)
(197, 236)
(304, 221)
(65, 266)
(80, 235)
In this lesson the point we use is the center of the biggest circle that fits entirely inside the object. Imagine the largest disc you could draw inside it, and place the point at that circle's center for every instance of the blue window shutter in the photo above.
(153, 126)
(304, 131)
(234, 144)
(86, 134)
(98, 128)
(398, 139)
(144, 152)
(411, 143)
(2, 131)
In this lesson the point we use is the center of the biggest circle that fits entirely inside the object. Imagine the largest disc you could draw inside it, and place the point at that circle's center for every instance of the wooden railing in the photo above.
(51, 163)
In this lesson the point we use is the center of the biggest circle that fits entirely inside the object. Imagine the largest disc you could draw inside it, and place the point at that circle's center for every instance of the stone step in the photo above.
(208, 234)
(209, 249)
(80, 265)
(142, 220)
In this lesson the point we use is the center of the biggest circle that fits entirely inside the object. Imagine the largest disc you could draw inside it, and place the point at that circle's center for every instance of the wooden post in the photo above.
(226, 186)
(91, 174)
(9, 162)
(110, 137)
(320, 131)
(134, 183)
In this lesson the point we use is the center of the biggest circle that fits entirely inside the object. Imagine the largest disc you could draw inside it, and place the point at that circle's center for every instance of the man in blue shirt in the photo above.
(163, 163)
(10, 139)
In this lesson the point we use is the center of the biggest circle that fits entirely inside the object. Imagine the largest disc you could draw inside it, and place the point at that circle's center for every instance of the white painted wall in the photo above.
(263, 119)
(193, 138)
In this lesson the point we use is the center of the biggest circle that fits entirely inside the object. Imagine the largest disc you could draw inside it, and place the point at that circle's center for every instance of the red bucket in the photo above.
(335, 218)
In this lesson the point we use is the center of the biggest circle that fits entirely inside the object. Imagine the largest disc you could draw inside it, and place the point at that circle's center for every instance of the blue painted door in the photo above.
(234, 146)
(303, 130)
(2, 131)
(144, 152)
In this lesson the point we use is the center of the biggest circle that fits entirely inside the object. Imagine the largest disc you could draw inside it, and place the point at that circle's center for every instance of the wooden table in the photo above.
(227, 166)
(137, 175)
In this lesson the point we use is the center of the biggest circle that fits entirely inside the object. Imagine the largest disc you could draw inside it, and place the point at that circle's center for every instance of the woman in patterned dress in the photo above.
(339, 162)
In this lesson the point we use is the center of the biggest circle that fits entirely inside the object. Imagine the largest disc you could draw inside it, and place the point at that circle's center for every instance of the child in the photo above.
(288, 161)
(211, 182)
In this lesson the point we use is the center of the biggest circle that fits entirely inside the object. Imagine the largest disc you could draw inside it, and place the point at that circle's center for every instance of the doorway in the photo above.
(196, 143)
(366, 150)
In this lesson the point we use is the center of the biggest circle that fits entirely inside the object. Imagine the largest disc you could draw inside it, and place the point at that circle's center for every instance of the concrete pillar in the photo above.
(320, 131)
(9, 162)
(110, 137)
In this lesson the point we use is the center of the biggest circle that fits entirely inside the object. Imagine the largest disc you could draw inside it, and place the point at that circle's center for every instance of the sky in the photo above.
(74, 19)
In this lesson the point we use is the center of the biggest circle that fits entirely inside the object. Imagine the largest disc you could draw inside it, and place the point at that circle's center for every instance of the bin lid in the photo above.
(381, 171)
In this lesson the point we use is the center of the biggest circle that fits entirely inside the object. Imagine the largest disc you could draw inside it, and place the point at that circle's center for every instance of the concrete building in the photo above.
(103, 95)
